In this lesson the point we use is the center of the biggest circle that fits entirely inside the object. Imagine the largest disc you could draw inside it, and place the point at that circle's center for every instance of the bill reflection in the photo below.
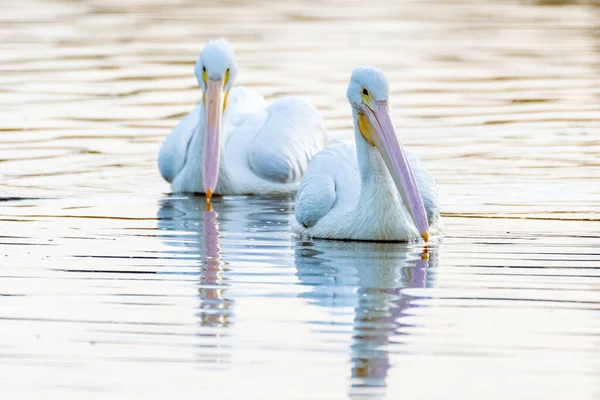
(369, 279)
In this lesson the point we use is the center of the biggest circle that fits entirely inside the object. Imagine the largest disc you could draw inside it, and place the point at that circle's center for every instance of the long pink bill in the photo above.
(213, 111)
(389, 146)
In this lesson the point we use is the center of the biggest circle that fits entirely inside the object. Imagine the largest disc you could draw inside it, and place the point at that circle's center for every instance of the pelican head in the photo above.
(368, 93)
(216, 71)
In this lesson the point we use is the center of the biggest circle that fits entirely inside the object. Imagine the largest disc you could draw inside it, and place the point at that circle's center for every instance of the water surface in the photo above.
(113, 288)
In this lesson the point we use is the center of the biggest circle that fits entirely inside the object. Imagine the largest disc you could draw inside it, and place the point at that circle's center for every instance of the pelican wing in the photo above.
(241, 103)
(333, 172)
(289, 137)
(173, 152)
(427, 187)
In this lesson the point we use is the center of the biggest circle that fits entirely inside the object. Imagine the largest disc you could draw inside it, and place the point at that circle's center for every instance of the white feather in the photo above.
(266, 149)
(332, 171)
(290, 136)
(348, 192)
(333, 203)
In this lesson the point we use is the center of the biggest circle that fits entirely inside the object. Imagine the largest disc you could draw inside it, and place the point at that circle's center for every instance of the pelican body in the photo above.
(232, 142)
(370, 189)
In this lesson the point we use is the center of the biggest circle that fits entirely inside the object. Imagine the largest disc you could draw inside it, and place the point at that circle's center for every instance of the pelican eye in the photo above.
(365, 92)
(204, 75)
(226, 77)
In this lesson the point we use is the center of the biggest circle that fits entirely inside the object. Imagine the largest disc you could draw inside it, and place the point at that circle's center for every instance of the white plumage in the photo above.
(348, 191)
(262, 149)
(332, 203)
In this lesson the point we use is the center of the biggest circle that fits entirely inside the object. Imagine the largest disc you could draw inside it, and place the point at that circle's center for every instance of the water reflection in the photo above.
(184, 222)
(215, 306)
(370, 278)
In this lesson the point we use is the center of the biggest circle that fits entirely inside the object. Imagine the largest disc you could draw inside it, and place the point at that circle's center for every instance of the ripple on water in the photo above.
(109, 287)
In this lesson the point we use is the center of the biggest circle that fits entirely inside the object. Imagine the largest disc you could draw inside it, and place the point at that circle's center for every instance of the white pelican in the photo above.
(374, 191)
(232, 143)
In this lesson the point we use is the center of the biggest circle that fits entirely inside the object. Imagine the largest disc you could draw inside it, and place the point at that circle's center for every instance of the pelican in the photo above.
(372, 190)
(232, 143)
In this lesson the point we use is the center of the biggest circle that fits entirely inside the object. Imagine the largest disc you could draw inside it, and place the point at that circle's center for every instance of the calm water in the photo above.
(112, 288)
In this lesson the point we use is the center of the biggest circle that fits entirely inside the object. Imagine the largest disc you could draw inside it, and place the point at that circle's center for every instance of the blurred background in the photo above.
(106, 289)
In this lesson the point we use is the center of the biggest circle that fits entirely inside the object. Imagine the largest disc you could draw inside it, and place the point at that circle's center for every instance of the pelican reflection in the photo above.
(368, 278)
(192, 232)
(207, 239)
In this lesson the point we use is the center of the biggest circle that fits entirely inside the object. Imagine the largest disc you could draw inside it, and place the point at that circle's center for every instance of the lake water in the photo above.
(110, 287)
